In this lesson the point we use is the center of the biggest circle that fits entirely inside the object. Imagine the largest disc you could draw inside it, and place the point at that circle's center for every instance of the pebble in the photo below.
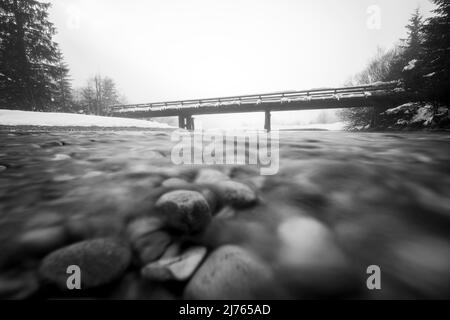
(211, 198)
(2, 168)
(308, 243)
(43, 240)
(232, 273)
(179, 268)
(236, 194)
(210, 176)
(174, 183)
(143, 226)
(310, 261)
(151, 246)
(101, 261)
(60, 157)
(81, 227)
(225, 213)
(44, 219)
(184, 210)
(172, 250)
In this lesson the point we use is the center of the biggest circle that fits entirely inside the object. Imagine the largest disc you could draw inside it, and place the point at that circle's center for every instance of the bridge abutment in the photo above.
(267, 125)
(186, 122)
(181, 122)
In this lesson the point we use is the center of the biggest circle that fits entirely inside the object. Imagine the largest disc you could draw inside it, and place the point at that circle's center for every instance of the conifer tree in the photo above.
(436, 70)
(28, 56)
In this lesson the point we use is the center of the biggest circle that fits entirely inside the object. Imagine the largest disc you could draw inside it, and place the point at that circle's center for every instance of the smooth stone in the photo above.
(211, 198)
(172, 250)
(184, 210)
(232, 273)
(43, 240)
(179, 268)
(225, 213)
(311, 263)
(101, 261)
(210, 176)
(45, 219)
(64, 178)
(143, 226)
(151, 246)
(236, 194)
(89, 227)
(174, 183)
(93, 174)
(60, 157)
(307, 243)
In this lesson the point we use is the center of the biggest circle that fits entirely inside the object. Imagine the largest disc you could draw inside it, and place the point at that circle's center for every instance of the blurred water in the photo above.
(341, 202)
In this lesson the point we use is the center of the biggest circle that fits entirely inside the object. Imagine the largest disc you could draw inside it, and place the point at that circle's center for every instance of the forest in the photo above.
(35, 77)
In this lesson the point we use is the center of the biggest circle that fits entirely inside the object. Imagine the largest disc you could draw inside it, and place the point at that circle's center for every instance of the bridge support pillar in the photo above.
(267, 125)
(181, 122)
(190, 123)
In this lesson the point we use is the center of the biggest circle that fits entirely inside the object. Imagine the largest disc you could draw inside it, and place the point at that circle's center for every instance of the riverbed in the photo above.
(341, 202)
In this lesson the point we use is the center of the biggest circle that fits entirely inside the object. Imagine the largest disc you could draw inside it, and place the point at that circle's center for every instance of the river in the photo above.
(341, 202)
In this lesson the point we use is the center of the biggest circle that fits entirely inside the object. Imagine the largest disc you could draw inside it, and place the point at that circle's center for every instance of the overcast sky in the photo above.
(178, 49)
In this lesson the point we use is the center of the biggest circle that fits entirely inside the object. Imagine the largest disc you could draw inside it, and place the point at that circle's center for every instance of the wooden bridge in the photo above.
(380, 95)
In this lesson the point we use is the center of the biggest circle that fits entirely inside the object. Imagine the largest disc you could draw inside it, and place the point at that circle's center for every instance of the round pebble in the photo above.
(101, 261)
(236, 194)
(174, 183)
(184, 210)
(43, 240)
(210, 176)
(232, 273)
(143, 226)
(151, 246)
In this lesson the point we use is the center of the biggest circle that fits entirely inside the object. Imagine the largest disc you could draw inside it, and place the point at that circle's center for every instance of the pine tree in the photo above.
(410, 60)
(414, 43)
(437, 53)
(28, 55)
(62, 97)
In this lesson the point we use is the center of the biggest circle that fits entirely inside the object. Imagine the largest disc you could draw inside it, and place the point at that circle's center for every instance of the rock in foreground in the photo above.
(101, 261)
(236, 194)
(184, 210)
(178, 268)
(232, 273)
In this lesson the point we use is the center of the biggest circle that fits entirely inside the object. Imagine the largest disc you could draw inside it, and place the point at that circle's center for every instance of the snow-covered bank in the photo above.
(336, 126)
(416, 115)
(52, 119)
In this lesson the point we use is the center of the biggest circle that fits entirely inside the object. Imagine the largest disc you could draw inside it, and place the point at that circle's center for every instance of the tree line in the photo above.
(33, 73)
(421, 64)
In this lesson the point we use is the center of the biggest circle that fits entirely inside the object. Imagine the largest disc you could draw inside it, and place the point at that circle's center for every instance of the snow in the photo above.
(402, 108)
(337, 126)
(424, 114)
(429, 75)
(30, 118)
(411, 65)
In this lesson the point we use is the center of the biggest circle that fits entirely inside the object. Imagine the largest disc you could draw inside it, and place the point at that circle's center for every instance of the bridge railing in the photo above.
(277, 97)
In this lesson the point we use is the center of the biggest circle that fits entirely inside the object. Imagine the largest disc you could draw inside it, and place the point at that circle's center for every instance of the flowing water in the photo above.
(340, 203)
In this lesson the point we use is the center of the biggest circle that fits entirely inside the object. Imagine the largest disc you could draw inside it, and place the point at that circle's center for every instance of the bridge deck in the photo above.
(347, 97)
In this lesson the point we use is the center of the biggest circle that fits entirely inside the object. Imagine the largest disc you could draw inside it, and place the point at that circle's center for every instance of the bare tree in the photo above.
(99, 95)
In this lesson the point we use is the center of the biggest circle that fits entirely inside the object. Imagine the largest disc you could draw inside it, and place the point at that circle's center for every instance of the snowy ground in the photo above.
(336, 126)
(51, 119)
